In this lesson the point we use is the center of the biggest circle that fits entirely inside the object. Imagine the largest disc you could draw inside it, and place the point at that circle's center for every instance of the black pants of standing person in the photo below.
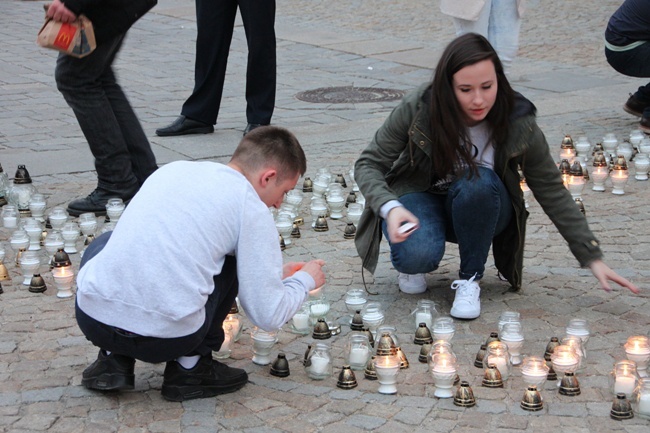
(215, 23)
(207, 338)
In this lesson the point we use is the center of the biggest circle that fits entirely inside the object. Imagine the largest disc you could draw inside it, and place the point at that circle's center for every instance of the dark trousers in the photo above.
(215, 21)
(207, 338)
(634, 63)
(123, 156)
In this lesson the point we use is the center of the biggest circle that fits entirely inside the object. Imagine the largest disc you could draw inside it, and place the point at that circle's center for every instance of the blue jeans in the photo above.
(207, 338)
(123, 156)
(473, 211)
(634, 63)
(499, 22)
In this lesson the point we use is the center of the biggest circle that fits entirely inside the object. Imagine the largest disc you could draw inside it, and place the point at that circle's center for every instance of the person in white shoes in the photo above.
(444, 167)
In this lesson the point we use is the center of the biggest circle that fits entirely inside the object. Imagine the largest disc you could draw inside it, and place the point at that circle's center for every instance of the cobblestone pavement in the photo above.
(364, 43)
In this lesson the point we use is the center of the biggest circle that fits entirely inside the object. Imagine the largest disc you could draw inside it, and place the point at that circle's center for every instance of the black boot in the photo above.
(96, 201)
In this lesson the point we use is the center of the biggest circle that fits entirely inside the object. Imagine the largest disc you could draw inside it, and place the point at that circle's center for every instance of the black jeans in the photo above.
(123, 156)
(207, 338)
(634, 63)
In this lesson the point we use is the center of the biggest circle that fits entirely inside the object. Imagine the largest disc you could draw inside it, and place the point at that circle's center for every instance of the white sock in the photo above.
(188, 362)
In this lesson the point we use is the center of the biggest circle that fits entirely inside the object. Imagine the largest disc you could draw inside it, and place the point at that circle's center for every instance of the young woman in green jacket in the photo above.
(444, 168)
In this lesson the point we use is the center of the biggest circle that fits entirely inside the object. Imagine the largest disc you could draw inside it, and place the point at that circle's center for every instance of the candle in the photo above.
(625, 384)
(387, 368)
(644, 405)
(500, 364)
(301, 321)
(359, 356)
(319, 310)
(319, 364)
(444, 366)
(424, 317)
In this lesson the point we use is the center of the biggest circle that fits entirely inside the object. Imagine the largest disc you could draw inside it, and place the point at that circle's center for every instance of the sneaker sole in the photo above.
(189, 392)
(110, 382)
(464, 316)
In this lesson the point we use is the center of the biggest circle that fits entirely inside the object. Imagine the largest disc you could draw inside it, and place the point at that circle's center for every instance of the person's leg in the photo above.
(208, 377)
(215, 20)
(425, 247)
(479, 208)
(82, 81)
(479, 26)
(259, 23)
(503, 30)
(483, 195)
(634, 63)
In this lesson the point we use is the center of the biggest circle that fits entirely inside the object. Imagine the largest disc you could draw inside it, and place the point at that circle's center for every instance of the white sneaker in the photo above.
(412, 284)
(467, 303)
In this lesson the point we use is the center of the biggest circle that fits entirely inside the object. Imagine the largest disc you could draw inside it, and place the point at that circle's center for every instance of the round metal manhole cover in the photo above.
(349, 95)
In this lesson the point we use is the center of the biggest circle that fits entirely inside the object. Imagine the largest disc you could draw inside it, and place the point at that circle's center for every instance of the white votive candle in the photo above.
(423, 317)
(319, 364)
(625, 384)
(301, 321)
(359, 355)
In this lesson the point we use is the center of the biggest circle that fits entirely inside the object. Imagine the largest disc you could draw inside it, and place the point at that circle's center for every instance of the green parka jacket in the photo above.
(398, 161)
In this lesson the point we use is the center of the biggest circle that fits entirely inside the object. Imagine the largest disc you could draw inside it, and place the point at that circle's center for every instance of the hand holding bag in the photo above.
(75, 39)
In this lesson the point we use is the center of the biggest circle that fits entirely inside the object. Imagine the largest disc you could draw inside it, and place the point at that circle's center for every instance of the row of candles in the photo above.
(610, 159)
(34, 229)
(372, 347)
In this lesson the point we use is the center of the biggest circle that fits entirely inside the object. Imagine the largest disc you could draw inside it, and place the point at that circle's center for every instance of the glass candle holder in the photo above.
(641, 166)
(70, 233)
(564, 359)
(235, 321)
(425, 312)
(319, 362)
(619, 179)
(57, 217)
(623, 378)
(390, 330)
(319, 185)
(19, 242)
(355, 299)
(641, 399)
(10, 216)
(497, 354)
(534, 371)
(625, 149)
(317, 208)
(29, 264)
(34, 231)
(53, 241)
(444, 373)
(386, 369)
(63, 274)
(37, 205)
(357, 351)
(576, 344)
(114, 209)
(579, 328)
(354, 213)
(318, 309)
(263, 342)
(372, 316)
(284, 224)
(610, 143)
(513, 336)
(294, 198)
(229, 338)
(439, 346)
(443, 328)
(88, 226)
(637, 349)
(336, 203)
(599, 175)
(300, 323)
(583, 148)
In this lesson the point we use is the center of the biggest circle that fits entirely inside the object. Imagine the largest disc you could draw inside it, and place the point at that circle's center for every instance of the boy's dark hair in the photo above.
(271, 146)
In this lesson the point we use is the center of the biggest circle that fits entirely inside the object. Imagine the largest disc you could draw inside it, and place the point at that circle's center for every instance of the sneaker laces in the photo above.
(464, 288)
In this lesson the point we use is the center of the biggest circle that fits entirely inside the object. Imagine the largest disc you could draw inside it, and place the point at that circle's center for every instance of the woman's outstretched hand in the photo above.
(604, 274)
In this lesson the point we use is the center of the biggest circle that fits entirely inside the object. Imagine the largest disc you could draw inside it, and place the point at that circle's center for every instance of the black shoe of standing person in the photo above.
(96, 201)
(207, 379)
(634, 106)
(109, 373)
(252, 126)
(183, 126)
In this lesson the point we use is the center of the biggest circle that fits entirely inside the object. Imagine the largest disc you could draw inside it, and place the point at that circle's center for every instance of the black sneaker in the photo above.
(96, 201)
(109, 372)
(634, 106)
(207, 379)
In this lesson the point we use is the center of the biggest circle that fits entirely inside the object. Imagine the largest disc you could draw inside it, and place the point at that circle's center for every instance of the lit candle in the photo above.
(387, 368)
(637, 349)
(625, 384)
